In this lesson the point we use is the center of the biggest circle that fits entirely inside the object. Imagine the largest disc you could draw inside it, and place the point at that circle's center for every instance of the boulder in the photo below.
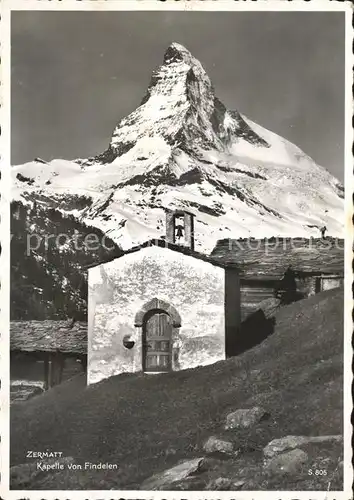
(290, 462)
(23, 475)
(170, 451)
(220, 484)
(225, 484)
(179, 472)
(191, 483)
(216, 445)
(237, 485)
(290, 442)
(23, 392)
(244, 419)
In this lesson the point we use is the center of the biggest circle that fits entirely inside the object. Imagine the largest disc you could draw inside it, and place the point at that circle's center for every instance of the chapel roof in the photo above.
(171, 246)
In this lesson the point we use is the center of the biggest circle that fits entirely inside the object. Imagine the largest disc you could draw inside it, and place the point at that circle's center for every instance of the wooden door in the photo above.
(157, 340)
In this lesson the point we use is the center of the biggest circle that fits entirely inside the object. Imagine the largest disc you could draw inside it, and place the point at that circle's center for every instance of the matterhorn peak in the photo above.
(178, 103)
(176, 52)
(179, 109)
(179, 68)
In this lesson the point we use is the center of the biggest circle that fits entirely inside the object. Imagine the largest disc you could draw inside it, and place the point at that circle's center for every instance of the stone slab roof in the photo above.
(48, 336)
(271, 257)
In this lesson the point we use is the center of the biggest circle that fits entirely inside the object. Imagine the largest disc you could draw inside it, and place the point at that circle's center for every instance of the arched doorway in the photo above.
(157, 341)
(159, 323)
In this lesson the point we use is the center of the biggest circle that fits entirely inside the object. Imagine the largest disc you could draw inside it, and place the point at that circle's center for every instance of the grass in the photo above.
(147, 423)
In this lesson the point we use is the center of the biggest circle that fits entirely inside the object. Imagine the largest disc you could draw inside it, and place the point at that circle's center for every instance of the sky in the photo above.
(76, 74)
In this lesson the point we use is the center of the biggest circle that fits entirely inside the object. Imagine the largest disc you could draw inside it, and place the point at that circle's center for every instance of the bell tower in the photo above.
(180, 228)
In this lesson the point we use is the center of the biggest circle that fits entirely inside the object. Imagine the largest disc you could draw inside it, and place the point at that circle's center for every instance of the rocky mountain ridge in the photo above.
(182, 148)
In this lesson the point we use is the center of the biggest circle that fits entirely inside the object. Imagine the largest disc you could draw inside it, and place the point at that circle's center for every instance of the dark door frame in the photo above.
(147, 316)
(156, 304)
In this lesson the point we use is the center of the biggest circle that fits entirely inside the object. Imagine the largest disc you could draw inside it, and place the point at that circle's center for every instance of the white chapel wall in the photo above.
(119, 289)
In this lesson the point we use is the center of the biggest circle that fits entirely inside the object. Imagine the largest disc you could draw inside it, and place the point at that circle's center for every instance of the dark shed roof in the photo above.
(271, 257)
(48, 336)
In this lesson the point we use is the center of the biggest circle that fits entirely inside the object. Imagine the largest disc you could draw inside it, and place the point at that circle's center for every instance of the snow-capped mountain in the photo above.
(182, 148)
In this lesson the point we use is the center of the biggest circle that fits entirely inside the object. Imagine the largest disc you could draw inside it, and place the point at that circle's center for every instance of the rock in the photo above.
(238, 484)
(324, 461)
(290, 442)
(24, 474)
(169, 476)
(287, 463)
(216, 445)
(225, 484)
(23, 392)
(243, 419)
(170, 451)
(219, 484)
(192, 483)
(39, 160)
(211, 462)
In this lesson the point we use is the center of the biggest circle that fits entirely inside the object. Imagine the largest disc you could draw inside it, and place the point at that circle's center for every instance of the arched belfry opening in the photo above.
(180, 228)
(159, 324)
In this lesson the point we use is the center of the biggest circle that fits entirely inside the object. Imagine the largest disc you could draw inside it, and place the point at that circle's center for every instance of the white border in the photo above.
(154, 5)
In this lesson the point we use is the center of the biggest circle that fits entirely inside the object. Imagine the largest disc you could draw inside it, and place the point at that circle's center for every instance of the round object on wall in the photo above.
(128, 342)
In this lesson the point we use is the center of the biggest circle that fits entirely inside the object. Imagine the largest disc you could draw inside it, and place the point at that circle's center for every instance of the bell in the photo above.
(179, 232)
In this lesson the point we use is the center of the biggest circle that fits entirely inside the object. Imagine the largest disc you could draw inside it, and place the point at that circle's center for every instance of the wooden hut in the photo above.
(50, 345)
(318, 264)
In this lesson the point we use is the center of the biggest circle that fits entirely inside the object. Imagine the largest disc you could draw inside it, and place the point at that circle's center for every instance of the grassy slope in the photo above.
(296, 374)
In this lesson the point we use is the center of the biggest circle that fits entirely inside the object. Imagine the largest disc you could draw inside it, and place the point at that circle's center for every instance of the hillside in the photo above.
(50, 250)
(147, 423)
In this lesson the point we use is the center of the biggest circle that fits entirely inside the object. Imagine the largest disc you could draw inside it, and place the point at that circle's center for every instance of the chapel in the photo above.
(163, 306)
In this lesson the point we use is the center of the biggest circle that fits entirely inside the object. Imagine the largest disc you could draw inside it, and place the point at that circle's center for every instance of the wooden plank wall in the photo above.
(252, 294)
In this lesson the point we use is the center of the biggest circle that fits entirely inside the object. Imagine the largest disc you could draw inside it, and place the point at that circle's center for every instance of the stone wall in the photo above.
(119, 289)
